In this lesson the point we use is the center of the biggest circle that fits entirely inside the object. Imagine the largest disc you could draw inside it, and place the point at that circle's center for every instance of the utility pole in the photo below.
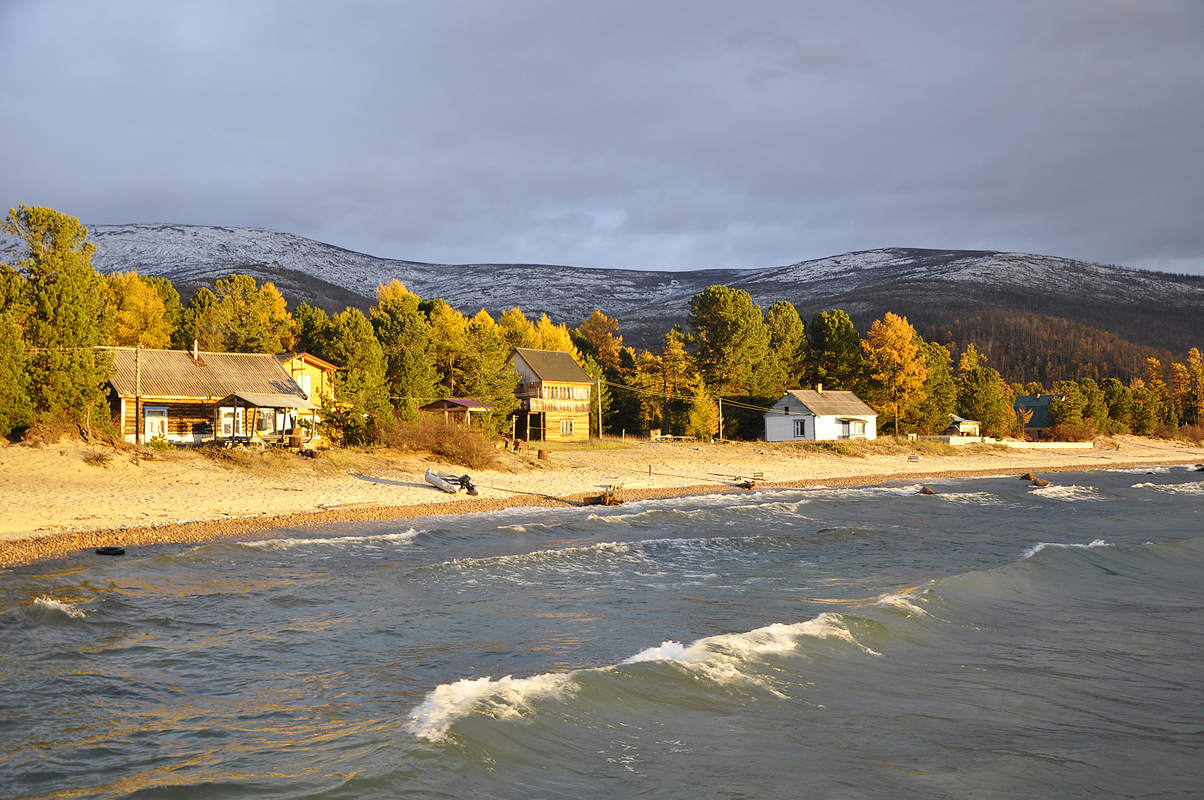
(721, 419)
(599, 408)
(137, 394)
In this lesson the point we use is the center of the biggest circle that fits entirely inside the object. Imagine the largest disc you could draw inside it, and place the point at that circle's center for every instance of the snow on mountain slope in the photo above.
(646, 303)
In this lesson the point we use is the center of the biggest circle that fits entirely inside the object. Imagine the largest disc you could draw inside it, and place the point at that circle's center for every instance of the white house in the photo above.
(816, 415)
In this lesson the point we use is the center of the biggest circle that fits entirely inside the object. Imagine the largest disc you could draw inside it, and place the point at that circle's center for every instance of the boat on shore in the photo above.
(452, 484)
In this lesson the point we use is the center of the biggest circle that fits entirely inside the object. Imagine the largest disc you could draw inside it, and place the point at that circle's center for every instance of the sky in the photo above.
(626, 135)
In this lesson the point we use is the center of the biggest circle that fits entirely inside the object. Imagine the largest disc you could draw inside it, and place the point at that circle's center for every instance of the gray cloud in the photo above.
(671, 135)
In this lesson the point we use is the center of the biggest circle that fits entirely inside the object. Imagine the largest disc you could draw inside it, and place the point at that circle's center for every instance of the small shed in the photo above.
(960, 426)
(451, 406)
(816, 415)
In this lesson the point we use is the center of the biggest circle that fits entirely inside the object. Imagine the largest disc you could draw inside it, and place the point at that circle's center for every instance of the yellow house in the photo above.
(316, 379)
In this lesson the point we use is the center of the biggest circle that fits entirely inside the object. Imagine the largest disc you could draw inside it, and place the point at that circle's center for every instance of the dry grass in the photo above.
(98, 458)
(883, 446)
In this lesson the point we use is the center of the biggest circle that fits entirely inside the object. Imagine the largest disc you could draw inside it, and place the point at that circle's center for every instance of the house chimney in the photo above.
(819, 388)
(195, 356)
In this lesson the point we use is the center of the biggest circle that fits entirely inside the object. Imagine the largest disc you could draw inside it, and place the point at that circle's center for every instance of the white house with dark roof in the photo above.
(555, 393)
(817, 415)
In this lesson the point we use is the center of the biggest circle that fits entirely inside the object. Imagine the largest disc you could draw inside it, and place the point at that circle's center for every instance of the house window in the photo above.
(800, 428)
(230, 422)
(566, 427)
(154, 422)
(266, 422)
(306, 384)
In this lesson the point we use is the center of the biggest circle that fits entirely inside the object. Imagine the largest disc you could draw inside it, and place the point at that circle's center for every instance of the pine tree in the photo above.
(405, 340)
(788, 338)
(932, 413)
(16, 406)
(835, 357)
(731, 344)
(65, 315)
(312, 330)
(361, 394)
(484, 371)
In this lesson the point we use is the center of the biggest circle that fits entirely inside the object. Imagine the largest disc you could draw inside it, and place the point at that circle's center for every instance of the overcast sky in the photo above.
(644, 135)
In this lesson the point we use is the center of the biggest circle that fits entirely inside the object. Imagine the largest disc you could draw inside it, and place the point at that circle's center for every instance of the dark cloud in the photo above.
(666, 135)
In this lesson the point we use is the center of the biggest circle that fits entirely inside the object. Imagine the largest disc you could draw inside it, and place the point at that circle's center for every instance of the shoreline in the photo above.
(31, 549)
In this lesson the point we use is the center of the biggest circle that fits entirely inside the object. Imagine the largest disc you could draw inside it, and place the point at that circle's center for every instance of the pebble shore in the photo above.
(54, 546)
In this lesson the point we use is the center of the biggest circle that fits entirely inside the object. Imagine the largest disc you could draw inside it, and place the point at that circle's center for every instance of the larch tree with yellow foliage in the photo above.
(140, 317)
(895, 363)
(550, 336)
(404, 337)
(484, 371)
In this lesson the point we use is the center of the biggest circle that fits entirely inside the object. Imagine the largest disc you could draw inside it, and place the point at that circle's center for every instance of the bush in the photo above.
(1193, 434)
(469, 447)
(1069, 433)
(161, 444)
(98, 458)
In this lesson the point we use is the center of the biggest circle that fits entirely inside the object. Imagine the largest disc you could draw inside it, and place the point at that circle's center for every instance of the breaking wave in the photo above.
(1037, 548)
(59, 607)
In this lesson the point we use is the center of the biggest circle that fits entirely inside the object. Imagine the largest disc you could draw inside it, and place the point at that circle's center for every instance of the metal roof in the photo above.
(553, 366)
(267, 401)
(828, 404)
(455, 403)
(174, 373)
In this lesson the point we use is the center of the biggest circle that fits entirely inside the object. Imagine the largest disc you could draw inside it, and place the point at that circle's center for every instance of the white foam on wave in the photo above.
(542, 556)
(1069, 494)
(901, 602)
(382, 538)
(721, 659)
(1037, 548)
(59, 606)
(504, 698)
(1141, 470)
(1174, 488)
(971, 498)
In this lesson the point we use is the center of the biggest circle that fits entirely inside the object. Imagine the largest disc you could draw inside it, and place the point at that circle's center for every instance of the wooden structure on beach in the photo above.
(555, 394)
(458, 409)
(191, 397)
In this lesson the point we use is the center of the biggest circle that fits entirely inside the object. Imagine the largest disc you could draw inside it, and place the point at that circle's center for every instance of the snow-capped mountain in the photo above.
(1149, 308)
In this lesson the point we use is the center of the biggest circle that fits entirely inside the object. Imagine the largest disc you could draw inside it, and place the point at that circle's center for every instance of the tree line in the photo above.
(57, 314)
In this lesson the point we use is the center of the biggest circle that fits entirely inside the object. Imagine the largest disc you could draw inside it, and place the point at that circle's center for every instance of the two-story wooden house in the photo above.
(555, 393)
(316, 379)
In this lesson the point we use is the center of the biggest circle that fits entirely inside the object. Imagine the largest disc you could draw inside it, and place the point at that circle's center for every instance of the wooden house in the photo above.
(316, 379)
(816, 415)
(193, 397)
(555, 394)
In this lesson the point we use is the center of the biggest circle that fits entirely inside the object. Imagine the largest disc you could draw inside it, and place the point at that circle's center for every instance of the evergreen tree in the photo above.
(982, 394)
(172, 307)
(361, 395)
(834, 357)
(485, 372)
(312, 330)
(731, 344)
(788, 338)
(1095, 405)
(1067, 405)
(932, 413)
(1120, 405)
(402, 332)
(66, 317)
(16, 406)
(595, 371)
(201, 324)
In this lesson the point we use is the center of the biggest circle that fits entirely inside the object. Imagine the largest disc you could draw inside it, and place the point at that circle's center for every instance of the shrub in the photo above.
(1193, 434)
(98, 458)
(462, 445)
(161, 444)
(1068, 433)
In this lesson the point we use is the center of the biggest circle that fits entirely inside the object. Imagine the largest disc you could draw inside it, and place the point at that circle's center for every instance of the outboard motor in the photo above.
(466, 484)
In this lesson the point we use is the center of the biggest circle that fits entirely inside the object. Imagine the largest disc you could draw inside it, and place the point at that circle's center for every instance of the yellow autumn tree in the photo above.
(140, 316)
(893, 353)
(550, 336)
(448, 331)
(516, 329)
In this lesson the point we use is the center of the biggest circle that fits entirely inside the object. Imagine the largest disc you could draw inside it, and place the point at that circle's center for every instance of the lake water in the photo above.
(992, 640)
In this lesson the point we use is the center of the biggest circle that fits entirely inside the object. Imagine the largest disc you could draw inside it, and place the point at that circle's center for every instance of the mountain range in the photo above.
(947, 294)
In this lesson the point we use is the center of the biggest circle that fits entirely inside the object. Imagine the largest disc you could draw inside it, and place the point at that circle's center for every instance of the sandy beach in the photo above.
(59, 503)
